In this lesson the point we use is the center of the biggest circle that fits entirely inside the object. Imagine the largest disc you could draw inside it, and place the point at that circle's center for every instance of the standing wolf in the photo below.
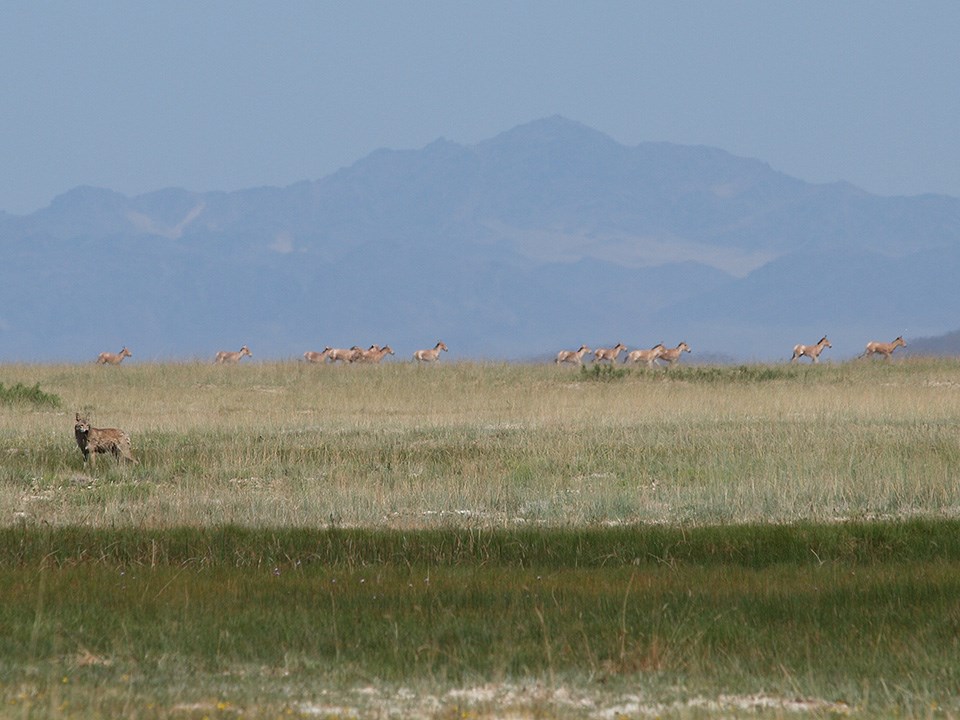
(93, 441)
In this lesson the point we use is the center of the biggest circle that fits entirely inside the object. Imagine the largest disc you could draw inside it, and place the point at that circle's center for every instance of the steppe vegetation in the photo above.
(482, 540)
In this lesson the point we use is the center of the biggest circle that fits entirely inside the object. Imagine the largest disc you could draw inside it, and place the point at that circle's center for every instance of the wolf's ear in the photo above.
(78, 417)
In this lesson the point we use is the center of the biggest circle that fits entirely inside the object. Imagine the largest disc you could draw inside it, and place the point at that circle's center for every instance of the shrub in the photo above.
(21, 393)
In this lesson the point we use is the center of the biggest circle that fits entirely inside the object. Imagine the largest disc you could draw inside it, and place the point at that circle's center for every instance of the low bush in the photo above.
(32, 395)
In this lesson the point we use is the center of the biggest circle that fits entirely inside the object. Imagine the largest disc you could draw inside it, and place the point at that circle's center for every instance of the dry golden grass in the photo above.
(485, 444)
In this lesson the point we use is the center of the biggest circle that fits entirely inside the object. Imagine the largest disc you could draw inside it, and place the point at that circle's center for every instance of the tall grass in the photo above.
(487, 445)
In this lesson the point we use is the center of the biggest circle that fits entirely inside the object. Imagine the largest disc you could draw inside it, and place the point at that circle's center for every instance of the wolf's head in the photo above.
(82, 427)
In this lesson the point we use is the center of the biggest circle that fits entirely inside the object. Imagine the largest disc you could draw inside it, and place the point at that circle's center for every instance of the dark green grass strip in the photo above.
(826, 611)
(750, 546)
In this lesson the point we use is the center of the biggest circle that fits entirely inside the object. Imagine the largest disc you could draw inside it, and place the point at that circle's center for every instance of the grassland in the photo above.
(475, 540)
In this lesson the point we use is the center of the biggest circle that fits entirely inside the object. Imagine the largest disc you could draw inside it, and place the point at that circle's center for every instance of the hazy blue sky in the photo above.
(137, 96)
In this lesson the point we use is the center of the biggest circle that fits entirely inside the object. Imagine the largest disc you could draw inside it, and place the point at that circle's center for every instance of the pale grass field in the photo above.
(487, 445)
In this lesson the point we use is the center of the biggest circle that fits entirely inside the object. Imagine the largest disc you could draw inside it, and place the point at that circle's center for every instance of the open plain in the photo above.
(473, 540)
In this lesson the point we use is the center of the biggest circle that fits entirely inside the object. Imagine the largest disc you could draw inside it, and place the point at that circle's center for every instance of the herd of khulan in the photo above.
(659, 353)
(94, 441)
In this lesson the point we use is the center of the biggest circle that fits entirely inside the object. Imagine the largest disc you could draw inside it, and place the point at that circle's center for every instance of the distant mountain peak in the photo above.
(552, 130)
(86, 196)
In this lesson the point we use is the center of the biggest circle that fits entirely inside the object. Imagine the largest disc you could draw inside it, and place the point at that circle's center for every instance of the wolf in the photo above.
(93, 441)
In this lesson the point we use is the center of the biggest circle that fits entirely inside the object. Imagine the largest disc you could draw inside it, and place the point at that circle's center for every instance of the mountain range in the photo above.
(543, 237)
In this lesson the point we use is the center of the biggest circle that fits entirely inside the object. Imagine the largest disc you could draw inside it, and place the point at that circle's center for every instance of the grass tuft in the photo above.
(29, 395)
(603, 373)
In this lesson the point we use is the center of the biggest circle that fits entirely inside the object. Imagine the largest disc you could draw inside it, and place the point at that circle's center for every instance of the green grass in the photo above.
(750, 546)
(833, 612)
(603, 373)
(31, 395)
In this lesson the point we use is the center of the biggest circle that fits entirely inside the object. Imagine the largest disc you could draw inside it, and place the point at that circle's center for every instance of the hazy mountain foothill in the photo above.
(544, 237)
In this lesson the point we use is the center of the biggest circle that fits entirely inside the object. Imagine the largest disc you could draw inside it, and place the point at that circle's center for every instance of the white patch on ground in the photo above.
(329, 711)
(506, 701)
(724, 704)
